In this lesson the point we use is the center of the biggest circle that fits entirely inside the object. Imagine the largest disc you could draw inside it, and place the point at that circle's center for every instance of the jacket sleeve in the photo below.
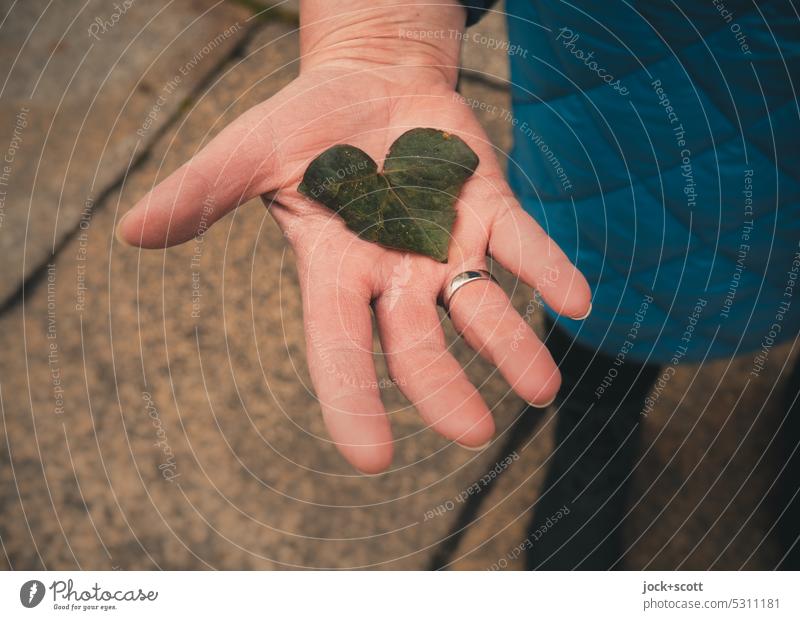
(476, 9)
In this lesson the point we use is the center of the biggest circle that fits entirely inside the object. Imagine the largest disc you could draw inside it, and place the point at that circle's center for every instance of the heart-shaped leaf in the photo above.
(411, 205)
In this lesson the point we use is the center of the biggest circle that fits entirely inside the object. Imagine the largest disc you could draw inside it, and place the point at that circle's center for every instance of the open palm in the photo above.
(265, 152)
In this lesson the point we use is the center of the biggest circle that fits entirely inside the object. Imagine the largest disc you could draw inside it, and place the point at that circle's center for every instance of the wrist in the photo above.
(364, 34)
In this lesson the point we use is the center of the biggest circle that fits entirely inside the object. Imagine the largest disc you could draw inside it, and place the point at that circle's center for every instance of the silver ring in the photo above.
(465, 277)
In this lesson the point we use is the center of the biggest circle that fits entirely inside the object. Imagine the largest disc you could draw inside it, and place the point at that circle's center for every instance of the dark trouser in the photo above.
(786, 504)
(597, 441)
(596, 446)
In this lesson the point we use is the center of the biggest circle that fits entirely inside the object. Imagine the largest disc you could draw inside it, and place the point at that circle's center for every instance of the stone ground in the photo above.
(101, 357)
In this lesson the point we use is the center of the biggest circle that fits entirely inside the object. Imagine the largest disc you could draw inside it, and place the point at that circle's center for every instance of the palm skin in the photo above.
(344, 279)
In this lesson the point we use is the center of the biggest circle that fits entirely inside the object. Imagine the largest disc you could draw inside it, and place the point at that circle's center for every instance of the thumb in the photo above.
(234, 167)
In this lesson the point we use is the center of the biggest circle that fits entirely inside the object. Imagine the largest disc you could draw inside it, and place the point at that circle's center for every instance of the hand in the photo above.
(353, 97)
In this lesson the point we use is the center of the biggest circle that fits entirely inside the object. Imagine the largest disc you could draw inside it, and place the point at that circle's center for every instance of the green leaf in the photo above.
(410, 206)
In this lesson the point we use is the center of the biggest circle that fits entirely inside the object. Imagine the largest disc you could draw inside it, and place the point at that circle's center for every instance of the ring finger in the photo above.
(482, 313)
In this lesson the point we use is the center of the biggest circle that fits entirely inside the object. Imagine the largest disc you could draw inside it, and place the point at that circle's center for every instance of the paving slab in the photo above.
(86, 87)
(266, 7)
(141, 436)
(485, 52)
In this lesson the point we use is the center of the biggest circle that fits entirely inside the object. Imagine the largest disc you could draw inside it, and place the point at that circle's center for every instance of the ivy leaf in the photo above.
(410, 206)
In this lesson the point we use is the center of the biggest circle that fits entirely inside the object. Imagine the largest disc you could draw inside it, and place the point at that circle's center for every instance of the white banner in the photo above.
(389, 595)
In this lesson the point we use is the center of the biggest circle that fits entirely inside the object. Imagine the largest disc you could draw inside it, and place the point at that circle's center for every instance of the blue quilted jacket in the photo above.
(657, 143)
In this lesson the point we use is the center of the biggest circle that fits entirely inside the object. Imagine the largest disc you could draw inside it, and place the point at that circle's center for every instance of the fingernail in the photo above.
(547, 404)
(368, 475)
(476, 449)
(588, 312)
(118, 229)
